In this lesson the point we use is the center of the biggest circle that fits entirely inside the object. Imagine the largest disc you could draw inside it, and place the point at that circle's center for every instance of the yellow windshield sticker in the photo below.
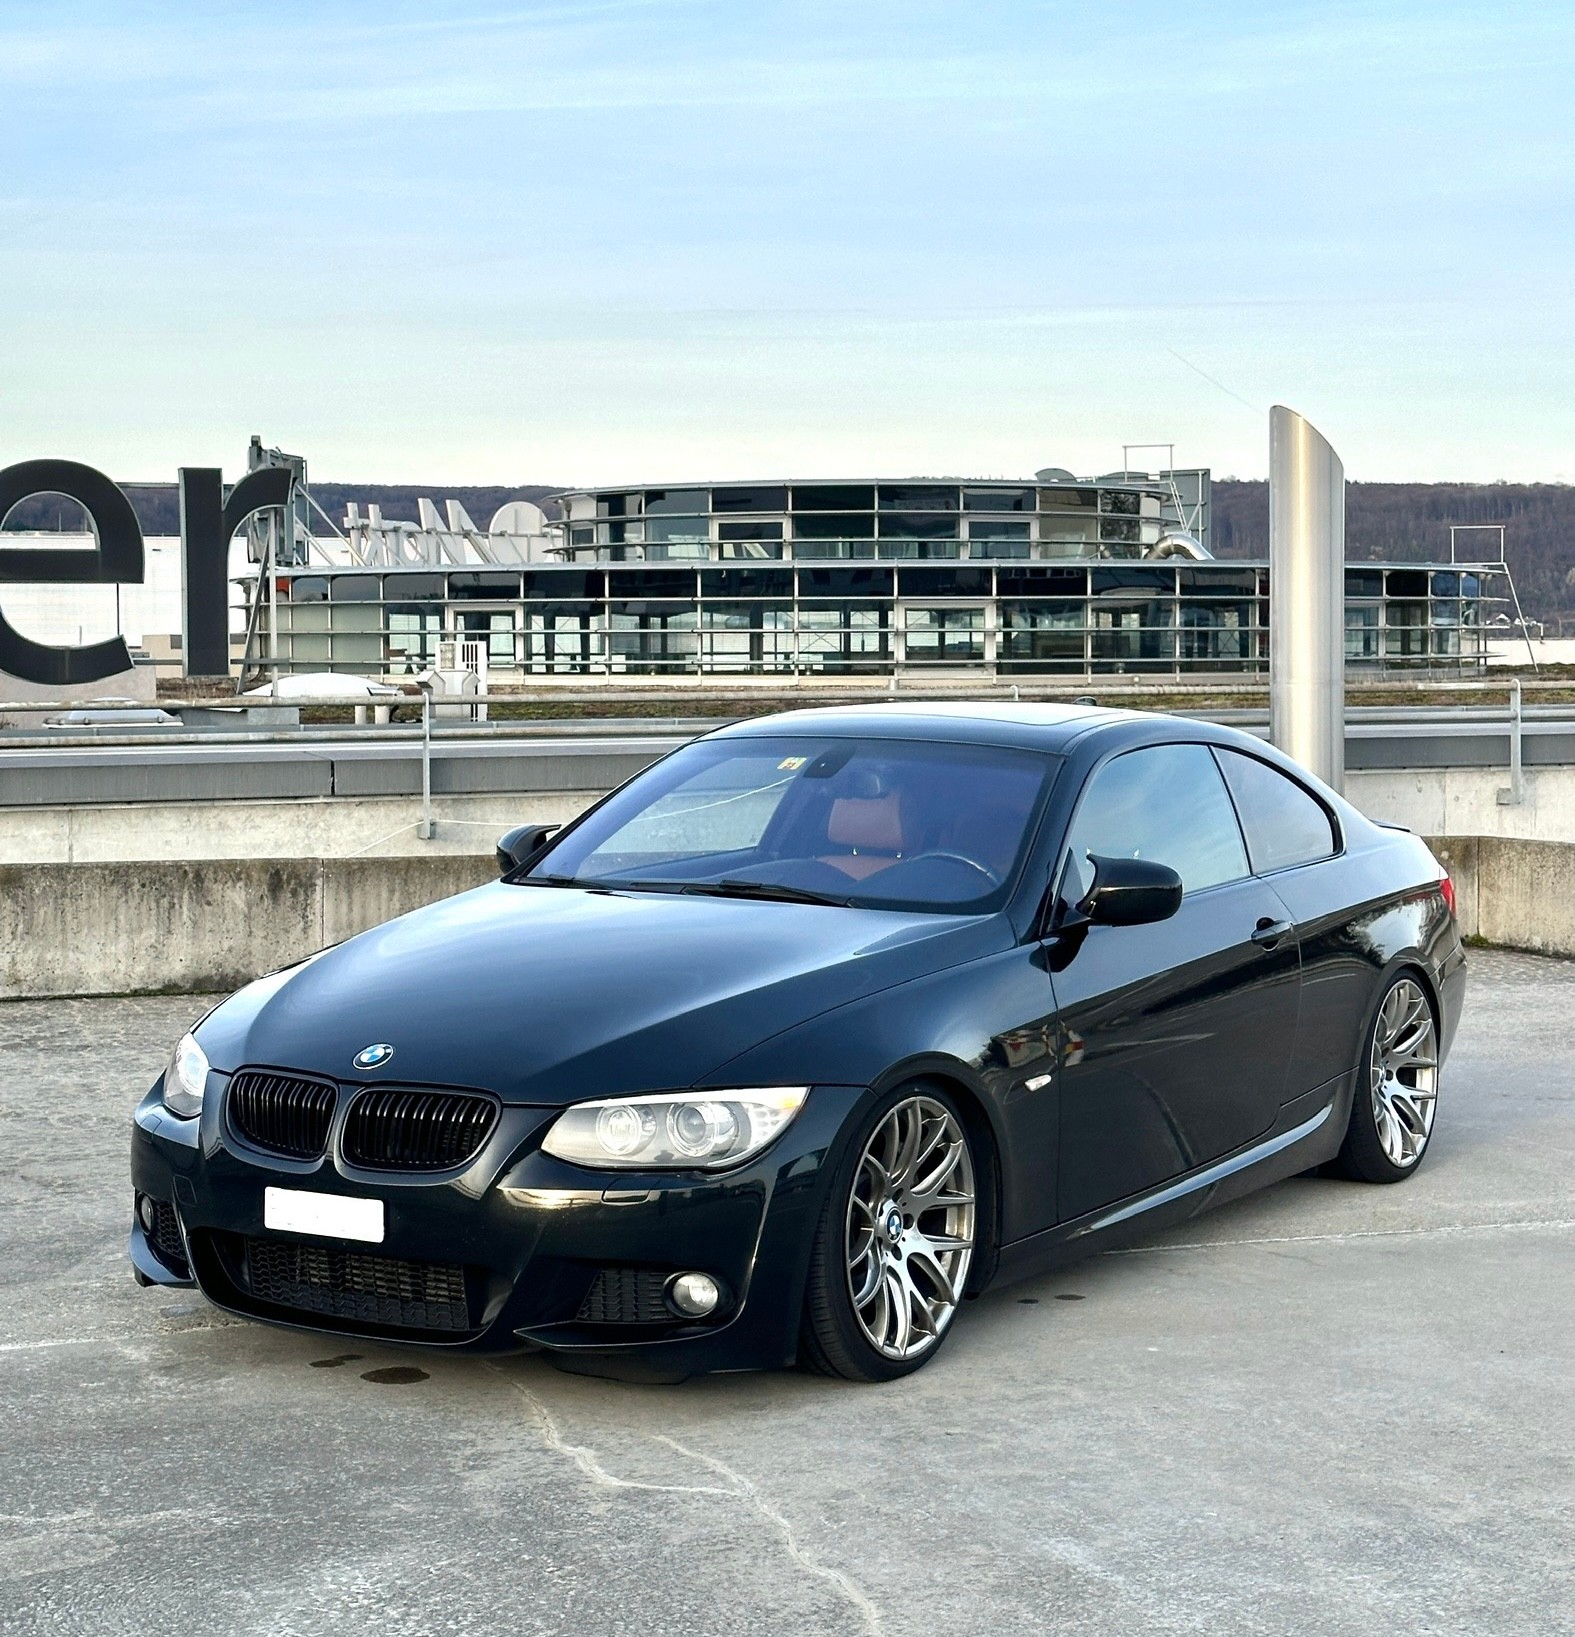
(791, 764)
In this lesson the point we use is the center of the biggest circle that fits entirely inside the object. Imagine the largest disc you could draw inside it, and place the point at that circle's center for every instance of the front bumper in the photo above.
(530, 1252)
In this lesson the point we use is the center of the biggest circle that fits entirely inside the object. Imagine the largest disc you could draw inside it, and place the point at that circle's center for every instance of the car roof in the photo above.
(1031, 726)
(976, 721)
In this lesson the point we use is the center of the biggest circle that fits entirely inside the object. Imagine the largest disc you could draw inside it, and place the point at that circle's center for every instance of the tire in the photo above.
(895, 1241)
(1396, 1091)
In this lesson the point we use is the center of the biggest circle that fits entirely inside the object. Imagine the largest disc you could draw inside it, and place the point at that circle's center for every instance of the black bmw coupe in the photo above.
(819, 1026)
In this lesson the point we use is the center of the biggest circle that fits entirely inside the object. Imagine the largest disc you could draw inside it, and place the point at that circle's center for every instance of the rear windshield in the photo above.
(884, 823)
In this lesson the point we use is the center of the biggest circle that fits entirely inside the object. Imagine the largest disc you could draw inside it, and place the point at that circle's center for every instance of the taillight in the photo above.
(1447, 888)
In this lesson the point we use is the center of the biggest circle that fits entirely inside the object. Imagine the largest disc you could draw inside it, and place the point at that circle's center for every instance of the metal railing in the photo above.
(435, 725)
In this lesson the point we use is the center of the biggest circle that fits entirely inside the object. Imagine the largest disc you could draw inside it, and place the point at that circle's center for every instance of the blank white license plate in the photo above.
(332, 1216)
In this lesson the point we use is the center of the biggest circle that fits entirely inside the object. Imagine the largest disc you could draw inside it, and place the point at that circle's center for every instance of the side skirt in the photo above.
(1313, 1138)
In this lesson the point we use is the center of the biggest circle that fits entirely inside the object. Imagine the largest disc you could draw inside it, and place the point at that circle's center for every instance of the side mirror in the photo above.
(518, 844)
(1130, 892)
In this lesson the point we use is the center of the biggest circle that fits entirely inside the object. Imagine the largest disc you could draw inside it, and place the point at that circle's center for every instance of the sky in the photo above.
(647, 240)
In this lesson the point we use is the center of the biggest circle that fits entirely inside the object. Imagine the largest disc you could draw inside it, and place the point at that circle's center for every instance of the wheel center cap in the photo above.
(894, 1224)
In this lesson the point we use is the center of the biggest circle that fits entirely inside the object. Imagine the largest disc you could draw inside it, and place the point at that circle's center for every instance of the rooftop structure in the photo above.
(1053, 575)
(1053, 516)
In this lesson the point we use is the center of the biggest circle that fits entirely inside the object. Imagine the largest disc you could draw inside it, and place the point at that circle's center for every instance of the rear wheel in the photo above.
(894, 1243)
(1397, 1088)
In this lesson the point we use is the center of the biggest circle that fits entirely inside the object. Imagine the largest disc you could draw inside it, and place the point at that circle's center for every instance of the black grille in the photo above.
(282, 1112)
(348, 1285)
(166, 1235)
(392, 1129)
(625, 1296)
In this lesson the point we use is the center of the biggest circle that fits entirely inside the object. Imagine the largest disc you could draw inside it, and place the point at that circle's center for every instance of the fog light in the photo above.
(145, 1213)
(694, 1294)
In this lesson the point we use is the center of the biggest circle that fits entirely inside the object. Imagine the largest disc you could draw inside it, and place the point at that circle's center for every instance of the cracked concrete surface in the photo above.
(1328, 1409)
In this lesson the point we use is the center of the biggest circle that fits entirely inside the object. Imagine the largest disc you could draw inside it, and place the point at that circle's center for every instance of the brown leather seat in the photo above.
(872, 831)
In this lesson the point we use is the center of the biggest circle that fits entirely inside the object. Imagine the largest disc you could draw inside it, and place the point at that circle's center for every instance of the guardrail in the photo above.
(1047, 689)
(442, 718)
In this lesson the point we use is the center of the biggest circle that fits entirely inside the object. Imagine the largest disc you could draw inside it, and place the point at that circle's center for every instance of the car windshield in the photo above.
(883, 823)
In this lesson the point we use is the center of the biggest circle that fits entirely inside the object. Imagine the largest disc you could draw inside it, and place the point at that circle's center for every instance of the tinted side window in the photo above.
(1284, 824)
(1166, 803)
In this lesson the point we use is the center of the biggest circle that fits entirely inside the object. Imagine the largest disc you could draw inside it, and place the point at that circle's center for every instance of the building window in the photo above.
(1042, 582)
(1071, 531)
(746, 582)
(1214, 636)
(413, 634)
(677, 528)
(846, 582)
(1131, 636)
(918, 497)
(483, 587)
(998, 500)
(676, 502)
(835, 497)
(1068, 500)
(496, 630)
(915, 526)
(834, 526)
(944, 582)
(749, 500)
(944, 636)
(760, 529)
(843, 637)
(650, 637)
(357, 588)
(1042, 636)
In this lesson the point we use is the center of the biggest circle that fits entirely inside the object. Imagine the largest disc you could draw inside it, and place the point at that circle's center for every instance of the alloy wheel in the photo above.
(910, 1227)
(1403, 1073)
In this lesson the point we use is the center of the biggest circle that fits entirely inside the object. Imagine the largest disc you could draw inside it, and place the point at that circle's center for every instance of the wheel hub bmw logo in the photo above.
(373, 1057)
(894, 1225)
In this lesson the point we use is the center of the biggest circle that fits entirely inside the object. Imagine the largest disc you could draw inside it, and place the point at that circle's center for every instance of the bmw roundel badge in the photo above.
(373, 1057)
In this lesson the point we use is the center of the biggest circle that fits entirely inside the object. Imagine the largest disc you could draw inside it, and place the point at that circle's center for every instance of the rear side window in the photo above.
(1284, 824)
(1166, 803)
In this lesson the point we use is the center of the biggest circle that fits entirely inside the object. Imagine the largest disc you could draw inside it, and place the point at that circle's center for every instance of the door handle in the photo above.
(1268, 933)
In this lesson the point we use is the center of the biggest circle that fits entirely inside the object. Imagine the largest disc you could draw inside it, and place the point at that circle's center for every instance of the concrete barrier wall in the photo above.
(108, 929)
(334, 827)
(1520, 894)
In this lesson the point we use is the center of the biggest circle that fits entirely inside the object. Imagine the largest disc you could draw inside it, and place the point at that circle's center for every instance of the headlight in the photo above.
(703, 1129)
(186, 1078)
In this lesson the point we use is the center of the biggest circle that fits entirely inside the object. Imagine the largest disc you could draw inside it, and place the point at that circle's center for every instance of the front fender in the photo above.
(987, 1027)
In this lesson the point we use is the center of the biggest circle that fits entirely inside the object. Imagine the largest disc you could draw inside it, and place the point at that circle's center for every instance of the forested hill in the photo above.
(1408, 522)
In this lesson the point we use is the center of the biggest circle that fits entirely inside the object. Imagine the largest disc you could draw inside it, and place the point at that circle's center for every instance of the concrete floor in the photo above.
(1328, 1409)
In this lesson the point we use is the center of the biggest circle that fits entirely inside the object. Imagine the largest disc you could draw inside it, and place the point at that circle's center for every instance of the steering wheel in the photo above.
(957, 858)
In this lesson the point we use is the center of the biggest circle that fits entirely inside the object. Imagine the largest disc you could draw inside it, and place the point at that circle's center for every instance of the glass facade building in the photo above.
(1055, 577)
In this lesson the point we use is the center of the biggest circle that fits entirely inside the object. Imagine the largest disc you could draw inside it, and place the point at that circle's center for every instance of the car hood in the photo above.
(550, 995)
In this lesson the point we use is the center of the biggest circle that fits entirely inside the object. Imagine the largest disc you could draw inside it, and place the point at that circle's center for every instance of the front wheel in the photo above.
(1396, 1088)
(894, 1242)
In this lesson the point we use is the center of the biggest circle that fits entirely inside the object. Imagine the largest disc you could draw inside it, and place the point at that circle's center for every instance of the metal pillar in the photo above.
(1306, 596)
(1515, 795)
(425, 828)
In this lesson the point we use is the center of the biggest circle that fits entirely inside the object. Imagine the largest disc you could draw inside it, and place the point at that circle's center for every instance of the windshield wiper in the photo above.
(714, 889)
(599, 883)
(767, 889)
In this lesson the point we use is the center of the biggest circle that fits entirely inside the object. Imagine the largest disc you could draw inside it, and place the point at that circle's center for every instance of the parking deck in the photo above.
(1328, 1409)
